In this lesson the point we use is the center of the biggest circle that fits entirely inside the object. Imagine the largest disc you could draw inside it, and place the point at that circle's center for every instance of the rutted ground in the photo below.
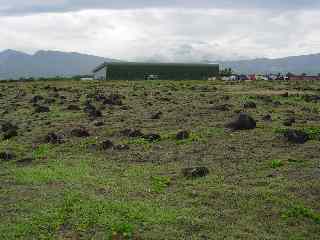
(159, 160)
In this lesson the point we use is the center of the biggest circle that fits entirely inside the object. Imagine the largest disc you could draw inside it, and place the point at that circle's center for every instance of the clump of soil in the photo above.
(41, 109)
(107, 144)
(267, 118)
(132, 133)
(80, 132)
(54, 138)
(183, 135)
(73, 108)
(242, 122)
(9, 130)
(6, 156)
(296, 136)
(222, 108)
(289, 122)
(92, 111)
(156, 115)
(36, 99)
(195, 172)
(152, 137)
(113, 99)
(250, 105)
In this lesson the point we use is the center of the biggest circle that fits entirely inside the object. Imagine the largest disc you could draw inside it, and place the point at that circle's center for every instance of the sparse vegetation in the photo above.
(159, 160)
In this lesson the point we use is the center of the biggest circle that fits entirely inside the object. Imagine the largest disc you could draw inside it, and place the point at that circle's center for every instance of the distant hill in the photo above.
(15, 64)
(309, 64)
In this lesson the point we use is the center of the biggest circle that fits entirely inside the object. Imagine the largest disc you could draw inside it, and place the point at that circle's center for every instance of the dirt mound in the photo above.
(183, 135)
(54, 138)
(41, 109)
(6, 156)
(107, 144)
(289, 122)
(242, 122)
(113, 99)
(92, 111)
(250, 105)
(296, 136)
(132, 133)
(80, 132)
(195, 172)
(152, 137)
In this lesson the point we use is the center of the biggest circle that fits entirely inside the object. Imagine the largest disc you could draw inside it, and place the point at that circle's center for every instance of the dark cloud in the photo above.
(22, 7)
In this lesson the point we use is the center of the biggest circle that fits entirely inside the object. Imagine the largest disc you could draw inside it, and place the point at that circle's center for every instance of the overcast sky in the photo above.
(176, 30)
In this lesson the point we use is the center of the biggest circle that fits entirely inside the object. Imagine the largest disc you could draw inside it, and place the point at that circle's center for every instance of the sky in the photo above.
(163, 30)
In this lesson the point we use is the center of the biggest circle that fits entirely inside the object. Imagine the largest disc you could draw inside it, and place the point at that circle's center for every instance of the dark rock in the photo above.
(10, 134)
(296, 136)
(132, 133)
(242, 122)
(99, 124)
(152, 137)
(36, 99)
(182, 135)
(285, 95)
(80, 132)
(6, 126)
(113, 99)
(25, 161)
(276, 104)
(41, 109)
(6, 156)
(195, 172)
(92, 111)
(250, 105)
(107, 144)
(289, 122)
(311, 98)
(122, 147)
(156, 115)
(54, 138)
(267, 117)
(73, 108)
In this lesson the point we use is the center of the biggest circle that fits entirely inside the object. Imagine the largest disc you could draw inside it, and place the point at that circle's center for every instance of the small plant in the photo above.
(40, 152)
(122, 231)
(160, 183)
(276, 164)
(297, 211)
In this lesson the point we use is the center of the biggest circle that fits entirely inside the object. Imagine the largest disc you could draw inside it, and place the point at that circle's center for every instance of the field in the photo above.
(155, 160)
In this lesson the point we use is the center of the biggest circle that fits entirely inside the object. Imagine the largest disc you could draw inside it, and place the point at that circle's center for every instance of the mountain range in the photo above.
(16, 64)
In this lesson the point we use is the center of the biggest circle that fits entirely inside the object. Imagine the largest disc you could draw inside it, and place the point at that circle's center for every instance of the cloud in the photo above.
(167, 35)
(22, 7)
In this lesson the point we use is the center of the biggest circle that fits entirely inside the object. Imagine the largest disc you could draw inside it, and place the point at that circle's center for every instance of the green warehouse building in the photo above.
(163, 71)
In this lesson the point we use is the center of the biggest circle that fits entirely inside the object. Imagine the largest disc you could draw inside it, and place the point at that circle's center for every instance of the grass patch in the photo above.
(299, 211)
(276, 164)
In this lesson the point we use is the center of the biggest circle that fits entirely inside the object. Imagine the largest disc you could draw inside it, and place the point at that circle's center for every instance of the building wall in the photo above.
(101, 74)
(140, 71)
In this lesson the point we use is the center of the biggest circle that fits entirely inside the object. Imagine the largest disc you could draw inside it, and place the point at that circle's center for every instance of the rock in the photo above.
(41, 109)
(152, 137)
(182, 135)
(122, 147)
(36, 99)
(242, 122)
(6, 156)
(250, 105)
(99, 124)
(267, 117)
(6, 126)
(195, 172)
(296, 136)
(113, 99)
(25, 161)
(80, 132)
(289, 122)
(132, 133)
(156, 115)
(73, 108)
(92, 111)
(107, 144)
(10, 134)
(54, 138)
